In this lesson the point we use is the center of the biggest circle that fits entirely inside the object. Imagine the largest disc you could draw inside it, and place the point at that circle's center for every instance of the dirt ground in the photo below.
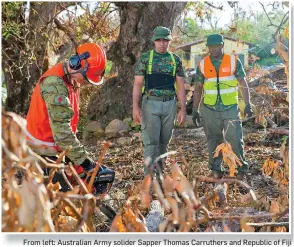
(127, 161)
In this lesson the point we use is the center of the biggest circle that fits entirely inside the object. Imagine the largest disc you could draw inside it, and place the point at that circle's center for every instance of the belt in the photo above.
(159, 98)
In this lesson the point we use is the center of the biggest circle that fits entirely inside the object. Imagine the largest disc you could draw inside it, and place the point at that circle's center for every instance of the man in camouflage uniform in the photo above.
(55, 95)
(217, 79)
(159, 78)
(53, 115)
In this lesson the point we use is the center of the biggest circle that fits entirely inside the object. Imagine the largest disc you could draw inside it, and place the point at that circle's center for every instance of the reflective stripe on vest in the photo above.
(222, 91)
(39, 142)
(228, 84)
(150, 63)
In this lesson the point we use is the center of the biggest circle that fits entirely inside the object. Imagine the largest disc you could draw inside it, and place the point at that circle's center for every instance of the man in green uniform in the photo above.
(159, 78)
(217, 81)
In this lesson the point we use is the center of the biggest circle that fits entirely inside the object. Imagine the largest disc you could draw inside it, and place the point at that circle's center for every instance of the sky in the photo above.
(225, 19)
(226, 15)
(223, 16)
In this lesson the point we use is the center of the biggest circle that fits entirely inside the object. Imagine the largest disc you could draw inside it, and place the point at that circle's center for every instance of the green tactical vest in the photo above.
(161, 77)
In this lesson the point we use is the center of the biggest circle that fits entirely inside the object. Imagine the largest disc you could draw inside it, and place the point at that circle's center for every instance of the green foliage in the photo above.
(11, 28)
(11, 9)
(137, 128)
(284, 139)
(258, 29)
(253, 27)
(108, 67)
(268, 61)
(11, 12)
(190, 25)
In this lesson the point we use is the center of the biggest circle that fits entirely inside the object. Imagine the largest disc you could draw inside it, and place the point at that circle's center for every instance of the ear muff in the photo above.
(75, 60)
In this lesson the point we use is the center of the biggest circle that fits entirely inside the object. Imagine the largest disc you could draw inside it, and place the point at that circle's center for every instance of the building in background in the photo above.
(192, 53)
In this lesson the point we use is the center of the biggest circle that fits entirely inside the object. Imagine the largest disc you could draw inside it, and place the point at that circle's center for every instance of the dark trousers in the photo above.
(220, 124)
(57, 175)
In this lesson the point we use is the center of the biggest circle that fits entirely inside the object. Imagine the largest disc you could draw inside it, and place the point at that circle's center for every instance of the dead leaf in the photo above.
(229, 157)
(246, 198)
(226, 228)
(145, 192)
(28, 206)
(244, 226)
(274, 208)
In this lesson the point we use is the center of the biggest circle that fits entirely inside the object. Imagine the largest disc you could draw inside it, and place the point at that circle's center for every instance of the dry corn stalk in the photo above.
(28, 204)
(178, 198)
(229, 157)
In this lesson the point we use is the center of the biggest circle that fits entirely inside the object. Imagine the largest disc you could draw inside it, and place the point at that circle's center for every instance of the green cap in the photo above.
(161, 33)
(215, 39)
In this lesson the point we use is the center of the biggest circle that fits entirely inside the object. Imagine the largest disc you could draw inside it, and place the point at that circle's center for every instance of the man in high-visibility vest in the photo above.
(159, 78)
(218, 79)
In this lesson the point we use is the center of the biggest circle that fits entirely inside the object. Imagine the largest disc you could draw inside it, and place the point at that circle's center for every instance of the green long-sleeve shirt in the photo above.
(56, 97)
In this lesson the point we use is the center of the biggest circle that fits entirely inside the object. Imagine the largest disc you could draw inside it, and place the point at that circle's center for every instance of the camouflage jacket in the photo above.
(53, 90)
(161, 63)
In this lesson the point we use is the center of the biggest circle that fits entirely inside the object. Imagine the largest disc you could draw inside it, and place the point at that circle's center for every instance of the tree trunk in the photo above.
(137, 21)
(24, 55)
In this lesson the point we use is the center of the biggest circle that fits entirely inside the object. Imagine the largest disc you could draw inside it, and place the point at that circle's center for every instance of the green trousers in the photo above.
(158, 119)
(218, 124)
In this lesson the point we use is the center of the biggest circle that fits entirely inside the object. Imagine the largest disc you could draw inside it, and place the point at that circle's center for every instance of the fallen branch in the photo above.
(68, 32)
(78, 179)
(60, 157)
(279, 131)
(239, 217)
(261, 224)
(270, 122)
(98, 163)
(222, 180)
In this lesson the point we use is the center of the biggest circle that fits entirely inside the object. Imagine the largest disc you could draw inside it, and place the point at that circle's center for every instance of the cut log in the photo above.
(279, 131)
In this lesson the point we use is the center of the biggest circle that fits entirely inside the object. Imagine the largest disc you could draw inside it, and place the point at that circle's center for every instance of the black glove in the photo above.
(196, 117)
(88, 165)
(248, 111)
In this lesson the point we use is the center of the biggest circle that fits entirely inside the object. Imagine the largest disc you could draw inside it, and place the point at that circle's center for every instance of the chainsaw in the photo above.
(102, 182)
(101, 186)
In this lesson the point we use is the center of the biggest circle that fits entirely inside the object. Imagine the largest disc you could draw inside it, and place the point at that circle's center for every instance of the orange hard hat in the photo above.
(96, 62)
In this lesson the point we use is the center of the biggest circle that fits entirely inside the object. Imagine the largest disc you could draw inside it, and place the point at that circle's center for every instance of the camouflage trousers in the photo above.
(158, 119)
(220, 124)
